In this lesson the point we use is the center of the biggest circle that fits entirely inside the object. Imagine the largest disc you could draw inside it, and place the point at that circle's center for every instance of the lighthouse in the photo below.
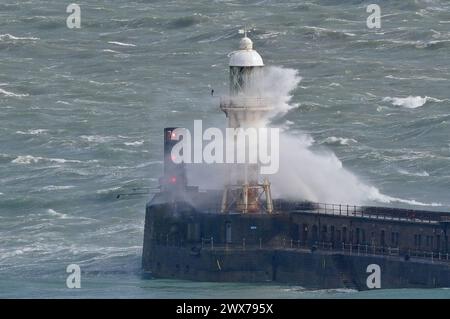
(245, 108)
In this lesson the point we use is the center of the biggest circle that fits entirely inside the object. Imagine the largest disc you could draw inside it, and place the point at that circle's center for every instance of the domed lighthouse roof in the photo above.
(245, 56)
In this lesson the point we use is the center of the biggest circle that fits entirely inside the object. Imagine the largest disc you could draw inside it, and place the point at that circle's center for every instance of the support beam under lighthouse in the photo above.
(245, 108)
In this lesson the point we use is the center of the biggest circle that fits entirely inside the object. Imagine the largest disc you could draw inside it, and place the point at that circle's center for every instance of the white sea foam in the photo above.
(333, 140)
(56, 188)
(420, 77)
(420, 174)
(110, 51)
(374, 194)
(122, 44)
(56, 214)
(11, 94)
(62, 102)
(97, 138)
(270, 34)
(411, 102)
(324, 31)
(32, 132)
(6, 37)
(108, 190)
(136, 143)
(29, 159)
(149, 163)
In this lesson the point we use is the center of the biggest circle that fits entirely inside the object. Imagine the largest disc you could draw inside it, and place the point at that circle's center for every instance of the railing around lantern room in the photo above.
(245, 103)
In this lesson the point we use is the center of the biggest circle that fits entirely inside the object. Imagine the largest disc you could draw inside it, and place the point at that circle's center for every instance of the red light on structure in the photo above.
(174, 136)
(173, 179)
(173, 158)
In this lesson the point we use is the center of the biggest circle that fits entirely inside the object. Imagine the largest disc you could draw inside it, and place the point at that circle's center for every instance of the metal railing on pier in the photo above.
(380, 213)
(209, 243)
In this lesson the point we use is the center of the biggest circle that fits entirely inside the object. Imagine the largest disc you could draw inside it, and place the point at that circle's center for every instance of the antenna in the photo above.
(244, 31)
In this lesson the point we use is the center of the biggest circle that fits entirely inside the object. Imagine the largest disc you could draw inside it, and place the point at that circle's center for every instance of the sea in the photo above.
(82, 112)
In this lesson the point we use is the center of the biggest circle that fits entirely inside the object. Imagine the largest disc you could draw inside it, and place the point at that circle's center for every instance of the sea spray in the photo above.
(304, 174)
(274, 86)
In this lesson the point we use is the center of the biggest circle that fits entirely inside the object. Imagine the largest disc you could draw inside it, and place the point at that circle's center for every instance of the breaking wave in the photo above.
(136, 143)
(122, 44)
(29, 159)
(341, 141)
(318, 176)
(9, 37)
(419, 174)
(97, 138)
(11, 94)
(56, 214)
(32, 132)
(56, 188)
(379, 197)
(411, 102)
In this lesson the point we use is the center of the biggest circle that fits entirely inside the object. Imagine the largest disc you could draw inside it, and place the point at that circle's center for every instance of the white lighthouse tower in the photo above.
(245, 108)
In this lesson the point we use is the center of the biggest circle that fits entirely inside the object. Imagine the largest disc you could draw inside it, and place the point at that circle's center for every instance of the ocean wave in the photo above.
(9, 37)
(97, 138)
(149, 163)
(392, 44)
(63, 102)
(44, 22)
(376, 195)
(317, 32)
(57, 214)
(110, 51)
(136, 143)
(411, 102)
(56, 188)
(420, 174)
(29, 159)
(108, 190)
(333, 140)
(435, 44)
(188, 21)
(11, 94)
(269, 35)
(143, 22)
(122, 44)
(422, 77)
(32, 132)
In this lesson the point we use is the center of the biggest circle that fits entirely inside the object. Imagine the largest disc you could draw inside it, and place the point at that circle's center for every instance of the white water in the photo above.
(411, 102)
(317, 176)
